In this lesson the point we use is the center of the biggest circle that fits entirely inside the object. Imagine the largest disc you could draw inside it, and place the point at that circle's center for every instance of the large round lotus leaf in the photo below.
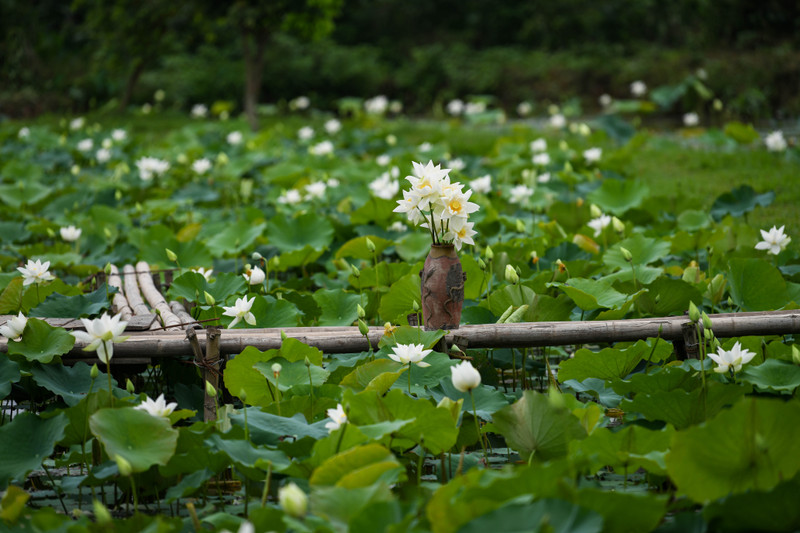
(773, 374)
(558, 516)
(142, 439)
(751, 446)
(26, 441)
(534, 426)
(644, 250)
(294, 233)
(770, 290)
(9, 374)
(339, 308)
(617, 196)
(41, 342)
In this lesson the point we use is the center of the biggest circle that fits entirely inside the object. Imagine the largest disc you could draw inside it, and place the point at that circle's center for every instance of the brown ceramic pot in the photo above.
(442, 288)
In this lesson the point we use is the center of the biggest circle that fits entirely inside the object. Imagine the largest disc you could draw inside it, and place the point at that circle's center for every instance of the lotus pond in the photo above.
(298, 221)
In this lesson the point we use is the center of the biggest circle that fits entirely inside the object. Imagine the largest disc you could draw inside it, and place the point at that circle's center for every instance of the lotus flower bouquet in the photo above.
(435, 203)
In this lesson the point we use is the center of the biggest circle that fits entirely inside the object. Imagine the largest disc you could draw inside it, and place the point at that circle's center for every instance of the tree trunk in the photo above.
(132, 80)
(253, 44)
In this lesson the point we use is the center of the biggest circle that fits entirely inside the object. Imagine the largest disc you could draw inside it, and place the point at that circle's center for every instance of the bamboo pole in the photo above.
(182, 314)
(347, 339)
(119, 304)
(132, 291)
(154, 297)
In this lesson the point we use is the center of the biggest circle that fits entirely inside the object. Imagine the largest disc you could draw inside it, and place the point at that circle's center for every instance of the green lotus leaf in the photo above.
(339, 308)
(628, 449)
(292, 374)
(399, 301)
(611, 363)
(667, 296)
(244, 454)
(82, 305)
(358, 467)
(589, 294)
(357, 247)
(268, 429)
(9, 374)
(41, 342)
(140, 438)
(693, 220)
(618, 196)
(625, 512)
(26, 441)
(771, 291)
(749, 447)
(71, 383)
(739, 201)
(644, 251)
(288, 234)
(230, 238)
(773, 374)
(378, 375)
(24, 191)
(548, 514)
(154, 242)
(774, 509)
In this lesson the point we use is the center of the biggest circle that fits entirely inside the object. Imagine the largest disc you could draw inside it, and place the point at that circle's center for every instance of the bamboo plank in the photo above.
(154, 297)
(132, 292)
(119, 304)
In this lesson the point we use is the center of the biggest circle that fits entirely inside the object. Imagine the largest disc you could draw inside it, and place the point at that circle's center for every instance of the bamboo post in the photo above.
(211, 371)
(119, 304)
(154, 298)
(691, 344)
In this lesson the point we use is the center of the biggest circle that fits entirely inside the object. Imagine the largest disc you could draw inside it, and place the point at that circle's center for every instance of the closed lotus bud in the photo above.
(717, 104)
(617, 224)
(706, 321)
(211, 390)
(276, 369)
(246, 188)
(107, 269)
(118, 195)
(489, 253)
(243, 395)
(356, 272)
(101, 514)
(360, 311)
(306, 361)
(293, 500)
(362, 327)
(481, 264)
(555, 398)
(370, 245)
(283, 335)
(626, 254)
(511, 275)
(172, 256)
(694, 312)
(465, 377)
(209, 299)
(124, 466)
(275, 262)
(595, 211)
(415, 306)
(520, 226)
(129, 386)
(94, 372)
(255, 256)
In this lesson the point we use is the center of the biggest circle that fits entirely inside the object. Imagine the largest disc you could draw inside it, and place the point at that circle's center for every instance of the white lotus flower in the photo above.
(254, 276)
(234, 138)
(599, 224)
(305, 133)
(119, 135)
(24, 133)
(70, 233)
(605, 100)
(290, 197)
(542, 159)
(13, 328)
(101, 334)
(461, 236)
(241, 311)
(473, 108)
(775, 141)
(538, 145)
(376, 105)
(159, 407)
(456, 164)
(524, 109)
(691, 119)
(519, 194)
(482, 185)
(35, 272)
(774, 241)
(77, 123)
(333, 126)
(395, 106)
(455, 107)
(465, 377)
(406, 354)
(543, 178)
(102, 155)
(299, 103)
(199, 111)
(592, 155)
(323, 148)
(735, 357)
(85, 145)
(384, 186)
(150, 167)
(425, 147)
(201, 166)
(383, 160)
(337, 416)
(206, 273)
(638, 88)
(397, 226)
(558, 121)
(315, 190)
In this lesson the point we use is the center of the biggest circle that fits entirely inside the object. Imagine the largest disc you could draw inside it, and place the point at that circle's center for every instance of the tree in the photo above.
(257, 22)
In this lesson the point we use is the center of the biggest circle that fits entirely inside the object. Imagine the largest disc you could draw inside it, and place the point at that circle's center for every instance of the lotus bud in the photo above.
(717, 104)
(129, 386)
(75, 170)
(94, 372)
(118, 195)
(584, 129)
(415, 306)
(573, 127)
(211, 390)
(362, 327)
(256, 256)
(481, 264)
(626, 254)
(124, 466)
(391, 140)
(706, 321)
(370, 245)
(283, 335)
(172, 256)
(50, 232)
(356, 272)
(465, 377)
(563, 146)
(276, 369)
(555, 398)
(489, 253)
(256, 276)
(552, 109)
(182, 159)
(101, 514)
(246, 188)
(222, 158)
(243, 395)
(306, 361)
(595, 211)
(456, 349)
(107, 233)
(694, 312)
(293, 500)
(520, 226)
(360, 311)
(275, 262)
(107, 269)
(795, 354)
(617, 224)
(209, 299)
(511, 275)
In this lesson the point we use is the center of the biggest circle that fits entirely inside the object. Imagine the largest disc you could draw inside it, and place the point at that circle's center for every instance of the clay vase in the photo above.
(442, 286)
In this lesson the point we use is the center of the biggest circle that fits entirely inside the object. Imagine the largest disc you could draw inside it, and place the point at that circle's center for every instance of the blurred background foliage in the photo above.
(84, 55)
